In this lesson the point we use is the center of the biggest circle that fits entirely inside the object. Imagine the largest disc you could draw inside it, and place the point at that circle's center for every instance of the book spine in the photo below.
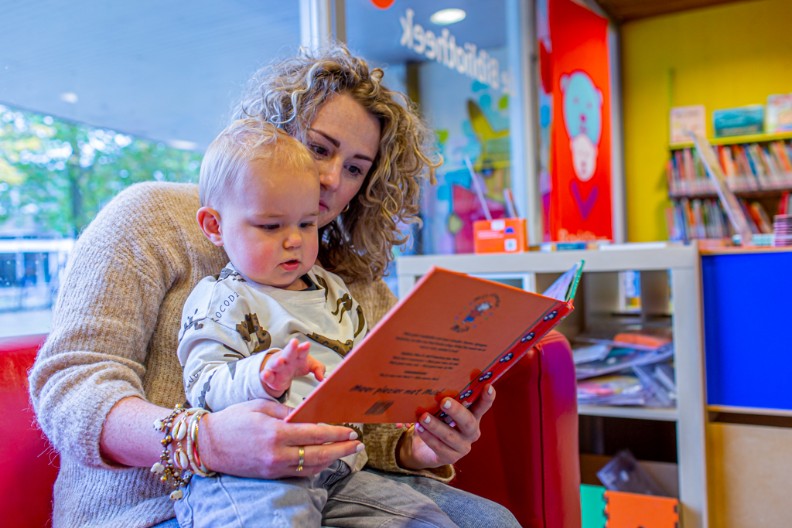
(511, 355)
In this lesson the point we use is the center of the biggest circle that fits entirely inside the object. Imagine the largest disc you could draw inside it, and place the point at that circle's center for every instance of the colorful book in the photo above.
(780, 152)
(450, 336)
(783, 203)
(685, 120)
(738, 121)
(779, 113)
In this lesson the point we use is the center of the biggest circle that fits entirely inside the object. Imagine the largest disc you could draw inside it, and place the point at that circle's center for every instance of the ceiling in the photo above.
(628, 10)
(170, 70)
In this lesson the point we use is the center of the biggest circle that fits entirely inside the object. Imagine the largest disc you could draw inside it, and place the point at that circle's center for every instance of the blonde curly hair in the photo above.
(358, 245)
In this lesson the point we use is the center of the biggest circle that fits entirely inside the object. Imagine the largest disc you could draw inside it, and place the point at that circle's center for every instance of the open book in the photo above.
(449, 336)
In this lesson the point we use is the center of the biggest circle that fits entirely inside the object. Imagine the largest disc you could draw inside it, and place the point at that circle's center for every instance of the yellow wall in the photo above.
(720, 57)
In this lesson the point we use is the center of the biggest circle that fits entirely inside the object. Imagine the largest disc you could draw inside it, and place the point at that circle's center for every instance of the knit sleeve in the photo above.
(109, 307)
(382, 439)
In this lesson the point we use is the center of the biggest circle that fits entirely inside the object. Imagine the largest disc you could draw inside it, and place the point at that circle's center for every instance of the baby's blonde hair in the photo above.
(241, 142)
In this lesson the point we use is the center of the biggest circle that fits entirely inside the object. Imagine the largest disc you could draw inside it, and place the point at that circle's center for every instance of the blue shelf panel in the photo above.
(747, 323)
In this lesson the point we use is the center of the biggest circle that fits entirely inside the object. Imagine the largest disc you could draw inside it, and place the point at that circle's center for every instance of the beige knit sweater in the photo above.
(114, 335)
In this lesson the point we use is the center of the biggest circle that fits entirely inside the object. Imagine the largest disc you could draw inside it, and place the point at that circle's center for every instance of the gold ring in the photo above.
(300, 458)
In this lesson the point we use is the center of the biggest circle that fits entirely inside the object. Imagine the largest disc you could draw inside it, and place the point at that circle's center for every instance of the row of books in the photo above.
(747, 167)
(701, 218)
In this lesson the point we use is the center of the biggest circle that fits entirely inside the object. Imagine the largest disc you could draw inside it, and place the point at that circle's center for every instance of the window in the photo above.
(97, 97)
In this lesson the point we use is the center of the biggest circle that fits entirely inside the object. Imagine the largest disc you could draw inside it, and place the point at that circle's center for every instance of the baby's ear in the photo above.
(209, 221)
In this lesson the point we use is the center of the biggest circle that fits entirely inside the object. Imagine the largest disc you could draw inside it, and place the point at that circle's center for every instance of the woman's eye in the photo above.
(355, 170)
(318, 150)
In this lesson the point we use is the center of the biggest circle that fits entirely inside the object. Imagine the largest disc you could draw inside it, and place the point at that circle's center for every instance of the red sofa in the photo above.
(526, 459)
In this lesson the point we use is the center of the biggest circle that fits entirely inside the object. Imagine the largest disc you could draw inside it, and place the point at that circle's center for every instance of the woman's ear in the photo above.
(209, 220)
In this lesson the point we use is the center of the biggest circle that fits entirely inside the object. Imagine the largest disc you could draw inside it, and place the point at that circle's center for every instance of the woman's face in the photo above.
(344, 139)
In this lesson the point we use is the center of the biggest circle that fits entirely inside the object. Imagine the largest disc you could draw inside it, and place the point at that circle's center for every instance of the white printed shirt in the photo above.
(229, 324)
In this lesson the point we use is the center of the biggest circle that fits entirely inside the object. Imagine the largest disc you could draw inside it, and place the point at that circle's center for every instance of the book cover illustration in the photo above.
(778, 116)
(687, 119)
(450, 336)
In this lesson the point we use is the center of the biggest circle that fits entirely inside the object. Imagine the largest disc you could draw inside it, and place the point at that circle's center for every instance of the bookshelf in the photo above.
(758, 168)
(670, 294)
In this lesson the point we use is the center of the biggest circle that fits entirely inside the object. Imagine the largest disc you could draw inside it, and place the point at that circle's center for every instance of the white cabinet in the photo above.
(670, 289)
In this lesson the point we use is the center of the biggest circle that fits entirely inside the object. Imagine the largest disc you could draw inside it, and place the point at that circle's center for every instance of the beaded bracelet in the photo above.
(180, 425)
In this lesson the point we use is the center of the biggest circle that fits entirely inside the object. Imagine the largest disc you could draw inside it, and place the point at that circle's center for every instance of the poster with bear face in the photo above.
(580, 147)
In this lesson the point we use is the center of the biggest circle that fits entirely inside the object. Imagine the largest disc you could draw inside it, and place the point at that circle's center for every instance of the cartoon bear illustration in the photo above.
(582, 106)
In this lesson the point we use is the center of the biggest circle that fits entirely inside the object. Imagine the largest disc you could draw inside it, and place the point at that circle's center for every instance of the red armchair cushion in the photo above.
(29, 464)
(527, 457)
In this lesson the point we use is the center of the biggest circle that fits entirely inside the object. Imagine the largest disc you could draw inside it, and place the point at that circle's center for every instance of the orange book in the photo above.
(630, 510)
(450, 336)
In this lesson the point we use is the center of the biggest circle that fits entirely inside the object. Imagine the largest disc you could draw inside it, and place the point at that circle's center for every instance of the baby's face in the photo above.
(269, 223)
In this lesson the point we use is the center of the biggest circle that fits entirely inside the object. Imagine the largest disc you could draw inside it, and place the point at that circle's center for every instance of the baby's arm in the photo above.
(281, 367)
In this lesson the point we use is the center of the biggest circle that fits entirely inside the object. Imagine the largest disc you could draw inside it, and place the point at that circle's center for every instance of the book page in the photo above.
(449, 336)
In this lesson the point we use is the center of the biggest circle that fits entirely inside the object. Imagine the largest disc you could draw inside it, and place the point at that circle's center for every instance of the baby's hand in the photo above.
(280, 368)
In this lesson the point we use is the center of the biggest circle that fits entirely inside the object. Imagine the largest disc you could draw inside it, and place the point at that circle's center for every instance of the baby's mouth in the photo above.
(291, 264)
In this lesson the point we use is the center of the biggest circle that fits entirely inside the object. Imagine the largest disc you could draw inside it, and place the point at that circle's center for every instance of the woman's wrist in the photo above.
(404, 456)
(127, 438)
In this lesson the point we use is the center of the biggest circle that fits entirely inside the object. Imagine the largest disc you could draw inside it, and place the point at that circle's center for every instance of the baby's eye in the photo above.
(269, 227)
(307, 224)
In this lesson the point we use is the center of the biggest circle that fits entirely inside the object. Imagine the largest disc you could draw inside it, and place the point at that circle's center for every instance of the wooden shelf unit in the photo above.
(672, 281)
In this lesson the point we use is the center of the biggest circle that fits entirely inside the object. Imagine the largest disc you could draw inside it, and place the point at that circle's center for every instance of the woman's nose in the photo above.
(330, 173)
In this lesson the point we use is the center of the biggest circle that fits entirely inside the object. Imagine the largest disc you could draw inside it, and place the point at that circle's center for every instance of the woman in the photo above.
(109, 368)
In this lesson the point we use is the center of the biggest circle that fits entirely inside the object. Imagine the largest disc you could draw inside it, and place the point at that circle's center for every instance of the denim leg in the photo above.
(233, 502)
(170, 523)
(465, 509)
(365, 500)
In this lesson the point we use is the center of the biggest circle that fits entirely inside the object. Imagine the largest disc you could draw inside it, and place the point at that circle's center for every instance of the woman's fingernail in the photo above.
(490, 390)
(419, 428)
(427, 419)
(447, 404)
(353, 435)
(359, 448)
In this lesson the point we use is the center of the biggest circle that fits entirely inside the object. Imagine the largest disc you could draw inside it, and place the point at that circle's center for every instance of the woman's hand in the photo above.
(251, 439)
(433, 443)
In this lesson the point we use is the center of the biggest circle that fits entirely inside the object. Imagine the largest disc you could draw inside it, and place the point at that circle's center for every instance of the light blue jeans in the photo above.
(335, 498)
(465, 509)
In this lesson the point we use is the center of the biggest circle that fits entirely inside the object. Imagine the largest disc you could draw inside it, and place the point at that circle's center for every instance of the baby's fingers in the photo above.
(317, 368)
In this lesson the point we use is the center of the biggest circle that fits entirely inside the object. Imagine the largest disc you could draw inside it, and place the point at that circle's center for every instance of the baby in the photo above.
(271, 322)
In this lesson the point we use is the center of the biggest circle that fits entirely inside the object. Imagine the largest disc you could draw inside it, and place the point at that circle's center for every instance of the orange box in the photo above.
(627, 510)
(505, 235)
